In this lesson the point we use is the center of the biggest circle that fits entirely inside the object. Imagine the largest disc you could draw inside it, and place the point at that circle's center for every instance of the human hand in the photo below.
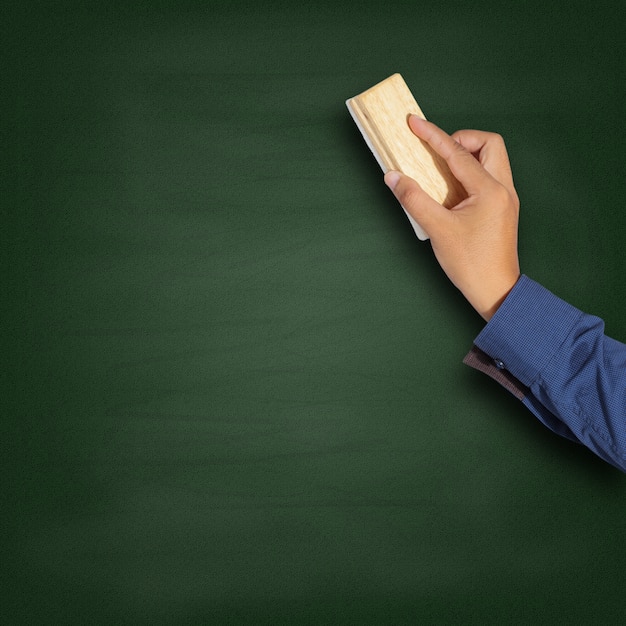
(475, 241)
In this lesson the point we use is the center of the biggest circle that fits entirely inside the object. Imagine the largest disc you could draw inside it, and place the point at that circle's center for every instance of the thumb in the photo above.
(428, 213)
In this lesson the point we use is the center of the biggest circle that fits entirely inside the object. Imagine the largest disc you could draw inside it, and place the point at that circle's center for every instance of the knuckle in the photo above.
(498, 140)
(505, 197)
(515, 199)
(501, 194)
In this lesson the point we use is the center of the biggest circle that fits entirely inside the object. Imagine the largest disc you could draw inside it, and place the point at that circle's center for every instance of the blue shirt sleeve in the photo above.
(560, 363)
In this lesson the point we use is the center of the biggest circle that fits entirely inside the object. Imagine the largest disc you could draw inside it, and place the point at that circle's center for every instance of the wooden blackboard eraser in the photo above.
(381, 113)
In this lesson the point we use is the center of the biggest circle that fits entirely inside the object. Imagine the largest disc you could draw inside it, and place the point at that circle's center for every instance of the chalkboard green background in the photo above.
(233, 379)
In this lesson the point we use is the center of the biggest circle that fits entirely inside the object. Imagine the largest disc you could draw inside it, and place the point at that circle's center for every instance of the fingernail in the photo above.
(391, 179)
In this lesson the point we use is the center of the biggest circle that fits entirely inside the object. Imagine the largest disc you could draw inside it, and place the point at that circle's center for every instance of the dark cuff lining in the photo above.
(477, 359)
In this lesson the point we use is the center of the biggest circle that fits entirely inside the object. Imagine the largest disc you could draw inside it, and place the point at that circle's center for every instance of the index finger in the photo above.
(490, 150)
(468, 171)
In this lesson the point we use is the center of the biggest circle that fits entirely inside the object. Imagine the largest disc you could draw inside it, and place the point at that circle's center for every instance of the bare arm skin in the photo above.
(475, 242)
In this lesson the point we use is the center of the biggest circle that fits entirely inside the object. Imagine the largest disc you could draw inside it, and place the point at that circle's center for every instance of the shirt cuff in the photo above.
(482, 362)
(527, 330)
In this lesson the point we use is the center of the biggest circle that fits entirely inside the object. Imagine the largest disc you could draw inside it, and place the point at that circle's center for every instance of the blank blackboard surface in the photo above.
(233, 389)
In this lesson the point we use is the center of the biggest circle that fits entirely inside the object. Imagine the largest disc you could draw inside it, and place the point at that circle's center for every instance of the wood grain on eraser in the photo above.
(382, 113)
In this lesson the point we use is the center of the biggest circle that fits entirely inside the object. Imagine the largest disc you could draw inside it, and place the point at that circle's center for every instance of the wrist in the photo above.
(490, 300)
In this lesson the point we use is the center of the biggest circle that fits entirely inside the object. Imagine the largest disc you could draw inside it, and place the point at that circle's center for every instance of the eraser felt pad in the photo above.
(381, 114)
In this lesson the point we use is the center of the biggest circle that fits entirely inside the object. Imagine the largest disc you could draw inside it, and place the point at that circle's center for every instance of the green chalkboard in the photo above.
(233, 379)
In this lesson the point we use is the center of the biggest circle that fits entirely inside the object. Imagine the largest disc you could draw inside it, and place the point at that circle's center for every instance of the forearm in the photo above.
(566, 363)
